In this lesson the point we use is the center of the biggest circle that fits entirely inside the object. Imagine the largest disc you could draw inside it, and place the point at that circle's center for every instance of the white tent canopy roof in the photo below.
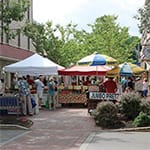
(34, 65)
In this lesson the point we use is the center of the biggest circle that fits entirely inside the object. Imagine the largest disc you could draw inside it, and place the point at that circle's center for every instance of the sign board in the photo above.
(103, 96)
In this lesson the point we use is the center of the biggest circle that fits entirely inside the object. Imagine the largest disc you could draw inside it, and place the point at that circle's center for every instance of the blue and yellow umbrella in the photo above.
(126, 69)
(97, 59)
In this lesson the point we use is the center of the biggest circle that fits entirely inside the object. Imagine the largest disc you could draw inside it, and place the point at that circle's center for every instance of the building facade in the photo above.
(20, 40)
(145, 42)
(16, 49)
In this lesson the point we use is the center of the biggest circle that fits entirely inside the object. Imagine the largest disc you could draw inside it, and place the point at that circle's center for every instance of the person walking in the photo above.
(39, 89)
(124, 84)
(145, 87)
(139, 86)
(24, 92)
(51, 94)
(56, 91)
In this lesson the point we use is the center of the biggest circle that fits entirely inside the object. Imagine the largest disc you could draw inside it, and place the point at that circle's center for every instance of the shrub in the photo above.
(142, 120)
(130, 105)
(145, 105)
(105, 115)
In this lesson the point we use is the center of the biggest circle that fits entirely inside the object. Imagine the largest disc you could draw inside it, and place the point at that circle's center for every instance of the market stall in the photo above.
(76, 92)
(34, 65)
(97, 60)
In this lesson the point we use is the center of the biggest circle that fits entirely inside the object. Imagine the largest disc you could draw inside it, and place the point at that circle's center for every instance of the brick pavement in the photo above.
(62, 129)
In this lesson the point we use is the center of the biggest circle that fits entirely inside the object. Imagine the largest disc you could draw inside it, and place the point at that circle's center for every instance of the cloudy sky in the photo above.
(83, 12)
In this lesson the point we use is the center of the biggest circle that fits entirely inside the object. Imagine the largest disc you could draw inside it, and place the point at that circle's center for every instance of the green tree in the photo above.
(12, 10)
(66, 44)
(107, 37)
(144, 18)
(72, 46)
(36, 32)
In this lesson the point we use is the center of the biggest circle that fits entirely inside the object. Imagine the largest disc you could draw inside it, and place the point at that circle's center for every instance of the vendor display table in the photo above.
(72, 98)
(75, 94)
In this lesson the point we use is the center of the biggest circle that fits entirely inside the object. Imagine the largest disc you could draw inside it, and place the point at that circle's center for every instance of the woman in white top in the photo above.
(40, 88)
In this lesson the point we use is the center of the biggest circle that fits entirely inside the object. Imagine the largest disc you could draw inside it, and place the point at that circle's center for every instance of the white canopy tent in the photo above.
(34, 65)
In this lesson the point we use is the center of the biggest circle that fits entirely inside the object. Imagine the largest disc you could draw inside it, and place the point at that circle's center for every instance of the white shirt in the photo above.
(39, 86)
(145, 85)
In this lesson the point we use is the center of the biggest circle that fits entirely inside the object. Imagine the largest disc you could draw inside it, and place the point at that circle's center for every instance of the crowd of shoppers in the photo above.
(128, 84)
(38, 84)
(26, 85)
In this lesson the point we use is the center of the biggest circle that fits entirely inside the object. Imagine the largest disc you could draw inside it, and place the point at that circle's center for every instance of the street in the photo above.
(117, 141)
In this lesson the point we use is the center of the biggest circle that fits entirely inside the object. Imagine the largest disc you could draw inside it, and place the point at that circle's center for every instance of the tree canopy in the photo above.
(12, 10)
(144, 18)
(67, 44)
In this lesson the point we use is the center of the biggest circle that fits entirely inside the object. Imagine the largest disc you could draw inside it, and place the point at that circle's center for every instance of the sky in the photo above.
(83, 12)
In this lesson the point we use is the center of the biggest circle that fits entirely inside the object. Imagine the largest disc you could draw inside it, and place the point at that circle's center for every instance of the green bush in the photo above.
(145, 105)
(142, 120)
(130, 105)
(105, 115)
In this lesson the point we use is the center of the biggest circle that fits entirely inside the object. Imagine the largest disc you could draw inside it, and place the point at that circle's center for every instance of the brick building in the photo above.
(16, 49)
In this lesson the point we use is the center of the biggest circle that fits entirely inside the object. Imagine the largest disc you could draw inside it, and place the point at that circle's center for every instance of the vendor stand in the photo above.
(28, 66)
(72, 95)
(77, 93)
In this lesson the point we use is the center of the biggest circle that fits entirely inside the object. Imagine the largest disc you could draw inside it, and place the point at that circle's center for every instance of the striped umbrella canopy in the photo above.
(97, 59)
(126, 69)
(129, 69)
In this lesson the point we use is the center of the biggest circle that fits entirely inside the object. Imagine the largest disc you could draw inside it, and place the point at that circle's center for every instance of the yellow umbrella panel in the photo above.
(126, 69)
(113, 72)
(137, 70)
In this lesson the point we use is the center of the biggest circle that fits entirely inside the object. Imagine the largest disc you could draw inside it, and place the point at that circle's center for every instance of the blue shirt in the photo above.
(51, 88)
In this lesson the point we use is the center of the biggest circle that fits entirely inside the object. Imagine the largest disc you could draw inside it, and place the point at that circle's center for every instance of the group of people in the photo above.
(128, 84)
(139, 85)
(26, 84)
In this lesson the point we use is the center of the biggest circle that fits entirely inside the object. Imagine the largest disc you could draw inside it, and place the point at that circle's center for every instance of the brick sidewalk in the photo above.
(62, 129)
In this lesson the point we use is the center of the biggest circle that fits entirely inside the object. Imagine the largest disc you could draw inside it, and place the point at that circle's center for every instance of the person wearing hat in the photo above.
(24, 92)
(138, 85)
(51, 94)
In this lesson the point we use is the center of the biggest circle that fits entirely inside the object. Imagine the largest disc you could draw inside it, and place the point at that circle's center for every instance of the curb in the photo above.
(5, 126)
(133, 129)
(136, 129)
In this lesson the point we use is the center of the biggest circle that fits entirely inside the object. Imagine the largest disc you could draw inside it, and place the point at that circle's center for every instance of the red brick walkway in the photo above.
(62, 129)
